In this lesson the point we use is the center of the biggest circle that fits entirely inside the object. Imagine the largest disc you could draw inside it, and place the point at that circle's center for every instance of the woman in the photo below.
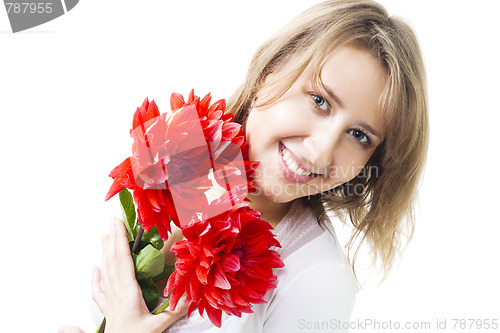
(335, 110)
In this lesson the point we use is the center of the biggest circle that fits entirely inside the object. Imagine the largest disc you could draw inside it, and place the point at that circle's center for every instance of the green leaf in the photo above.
(149, 262)
(167, 270)
(150, 293)
(128, 213)
(161, 308)
(153, 237)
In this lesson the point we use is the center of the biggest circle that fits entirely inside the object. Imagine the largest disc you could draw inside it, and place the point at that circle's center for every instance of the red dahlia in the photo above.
(173, 156)
(225, 263)
(153, 199)
(227, 143)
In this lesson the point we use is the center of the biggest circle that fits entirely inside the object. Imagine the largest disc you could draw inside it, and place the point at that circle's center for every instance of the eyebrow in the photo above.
(370, 129)
(341, 104)
(330, 93)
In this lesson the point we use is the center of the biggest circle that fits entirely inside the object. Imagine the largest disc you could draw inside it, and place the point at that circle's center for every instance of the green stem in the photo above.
(101, 327)
(137, 240)
(161, 308)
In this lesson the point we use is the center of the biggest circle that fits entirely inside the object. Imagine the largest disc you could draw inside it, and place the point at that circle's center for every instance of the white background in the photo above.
(68, 90)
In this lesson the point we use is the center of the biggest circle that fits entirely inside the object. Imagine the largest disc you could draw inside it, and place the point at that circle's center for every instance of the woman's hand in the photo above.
(117, 293)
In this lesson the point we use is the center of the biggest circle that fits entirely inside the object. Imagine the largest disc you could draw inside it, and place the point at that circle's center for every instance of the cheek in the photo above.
(250, 127)
(286, 113)
(350, 164)
(254, 132)
(261, 129)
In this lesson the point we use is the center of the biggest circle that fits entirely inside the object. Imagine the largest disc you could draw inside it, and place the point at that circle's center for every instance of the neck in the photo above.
(272, 212)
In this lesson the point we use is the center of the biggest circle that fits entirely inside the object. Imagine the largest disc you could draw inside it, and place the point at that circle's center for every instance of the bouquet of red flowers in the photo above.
(225, 263)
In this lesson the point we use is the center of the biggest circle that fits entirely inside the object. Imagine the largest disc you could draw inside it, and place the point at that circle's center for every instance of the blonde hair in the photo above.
(383, 212)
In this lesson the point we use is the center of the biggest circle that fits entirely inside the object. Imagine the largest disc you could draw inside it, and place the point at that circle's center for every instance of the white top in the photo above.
(315, 290)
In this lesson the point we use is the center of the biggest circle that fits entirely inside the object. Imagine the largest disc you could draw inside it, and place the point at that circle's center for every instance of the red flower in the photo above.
(169, 169)
(227, 143)
(225, 263)
(173, 156)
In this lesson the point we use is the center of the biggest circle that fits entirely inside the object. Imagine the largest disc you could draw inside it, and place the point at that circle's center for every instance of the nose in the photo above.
(321, 147)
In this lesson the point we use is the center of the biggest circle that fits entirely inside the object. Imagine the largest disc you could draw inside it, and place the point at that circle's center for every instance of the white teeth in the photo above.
(292, 165)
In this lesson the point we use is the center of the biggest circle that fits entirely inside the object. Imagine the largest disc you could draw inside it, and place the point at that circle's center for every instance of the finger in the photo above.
(117, 269)
(97, 292)
(104, 247)
(181, 305)
(109, 261)
(118, 241)
(112, 239)
(104, 261)
(121, 237)
(167, 317)
(123, 259)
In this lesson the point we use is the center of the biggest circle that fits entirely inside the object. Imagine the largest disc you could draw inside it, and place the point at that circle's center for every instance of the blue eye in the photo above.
(320, 102)
(360, 136)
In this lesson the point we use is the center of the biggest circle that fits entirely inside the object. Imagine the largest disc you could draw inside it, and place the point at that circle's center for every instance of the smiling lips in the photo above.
(291, 169)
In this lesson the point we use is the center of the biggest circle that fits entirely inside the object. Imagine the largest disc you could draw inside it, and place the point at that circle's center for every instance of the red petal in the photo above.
(176, 101)
(191, 97)
(175, 296)
(201, 273)
(171, 283)
(227, 297)
(214, 315)
(230, 263)
(204, 103)
(240, 301)
(220, 278)
(231, 130)
(121, 178)
(163, 228)
(115, 188)
(219, 105)
(139, 117)
(201, 307)
(194, 286)
(152, 111)
(145, 104)
(191, 308)
(153, 199)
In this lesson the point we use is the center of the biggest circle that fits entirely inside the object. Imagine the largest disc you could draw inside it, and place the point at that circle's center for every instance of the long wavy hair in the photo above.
(381, 209)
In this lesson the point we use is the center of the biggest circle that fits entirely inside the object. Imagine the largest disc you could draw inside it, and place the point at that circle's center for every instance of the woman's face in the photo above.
(309, 140)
